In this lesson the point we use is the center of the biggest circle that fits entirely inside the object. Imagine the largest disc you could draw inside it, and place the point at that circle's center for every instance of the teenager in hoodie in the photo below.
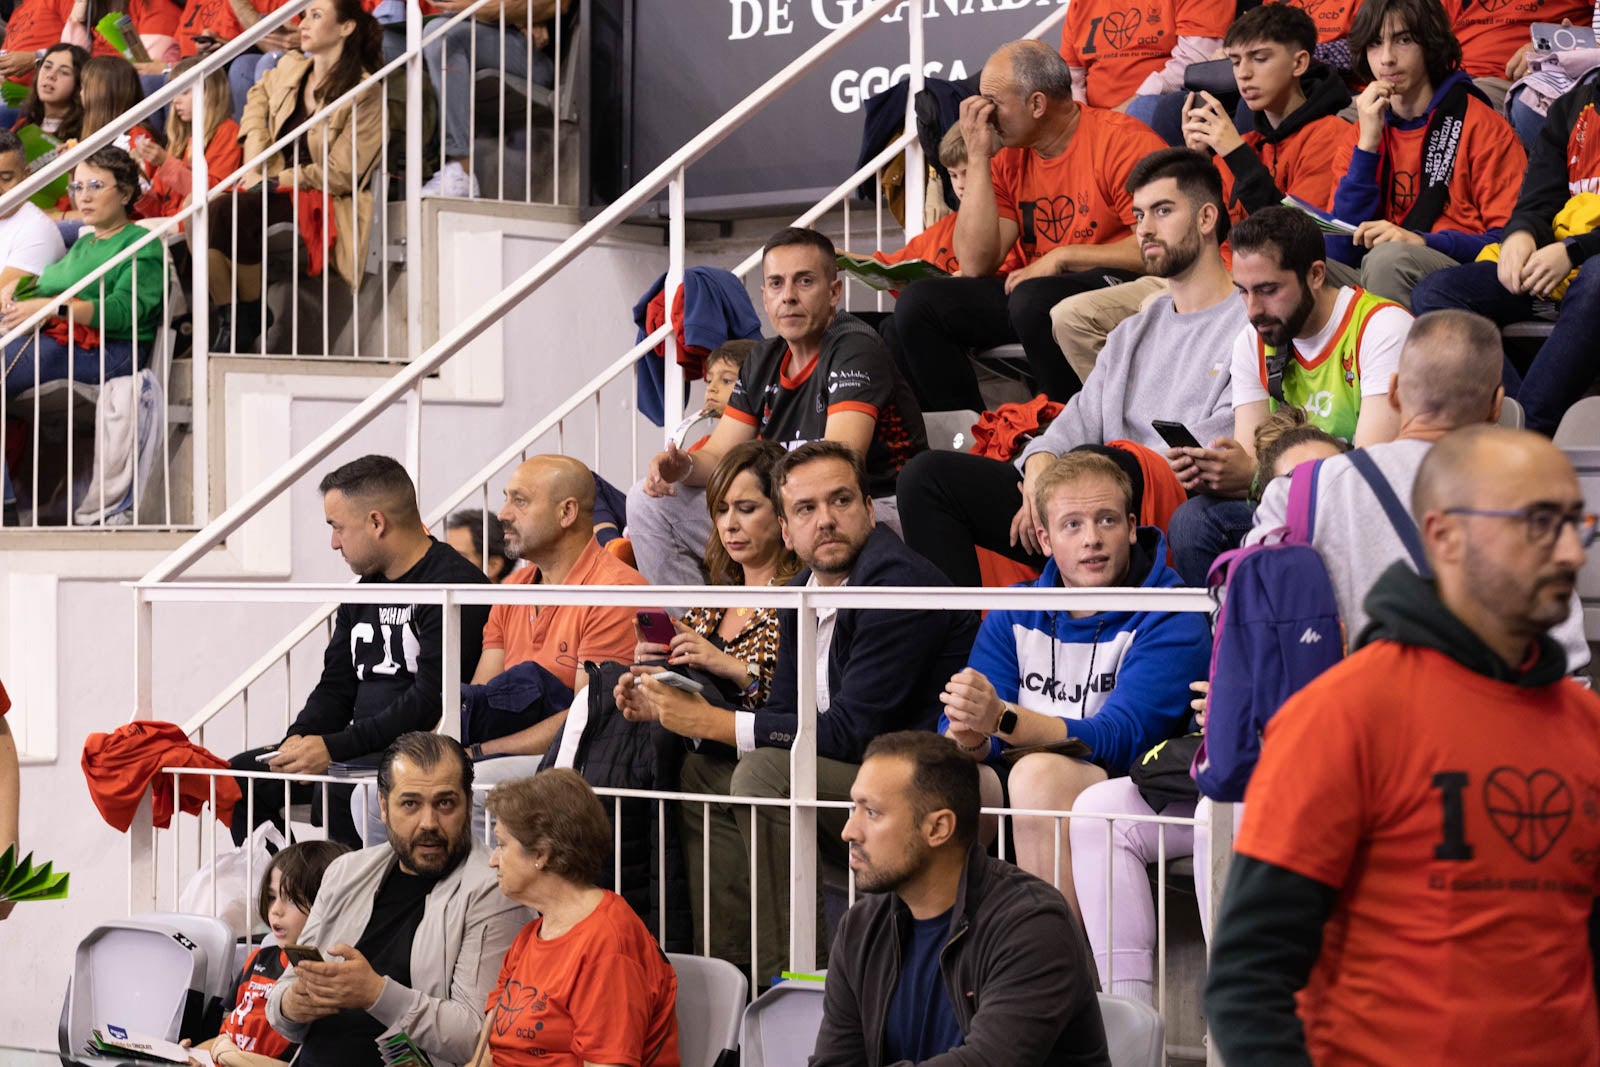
(1115, 680)
(1413, 218)
(1421, 845)
(1294, 103)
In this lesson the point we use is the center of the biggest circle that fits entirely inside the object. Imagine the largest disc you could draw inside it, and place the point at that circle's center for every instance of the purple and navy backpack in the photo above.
(1275, 629)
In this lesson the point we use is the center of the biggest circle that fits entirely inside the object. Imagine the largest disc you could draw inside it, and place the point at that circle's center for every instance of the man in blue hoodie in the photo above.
(1116, 681)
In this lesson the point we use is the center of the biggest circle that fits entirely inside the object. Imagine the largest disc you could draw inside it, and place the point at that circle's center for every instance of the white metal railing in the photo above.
(145, 870)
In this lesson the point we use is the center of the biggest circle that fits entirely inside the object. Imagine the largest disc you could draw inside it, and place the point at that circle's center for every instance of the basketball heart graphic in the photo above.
(1402, 191)
(1531, 811)
(1053, 217)
(1120, 26)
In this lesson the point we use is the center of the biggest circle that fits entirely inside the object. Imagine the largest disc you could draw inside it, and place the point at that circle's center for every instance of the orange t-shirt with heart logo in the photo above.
(1079, 197)
(1458, 817)
(1119, 44)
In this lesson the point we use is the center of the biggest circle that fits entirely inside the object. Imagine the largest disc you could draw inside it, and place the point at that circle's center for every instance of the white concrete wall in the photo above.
(540, 354)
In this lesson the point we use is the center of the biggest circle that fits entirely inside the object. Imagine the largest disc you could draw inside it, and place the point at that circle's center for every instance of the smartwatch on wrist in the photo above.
(1007, 721)
(1575, 251)
(475, 750)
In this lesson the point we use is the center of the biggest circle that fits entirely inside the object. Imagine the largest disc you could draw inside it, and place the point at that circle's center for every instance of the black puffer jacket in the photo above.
(613, 752)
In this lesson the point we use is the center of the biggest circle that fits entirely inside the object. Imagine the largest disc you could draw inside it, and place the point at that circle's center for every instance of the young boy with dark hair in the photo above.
(1430, 170)
(721, 375)
(1294, 102)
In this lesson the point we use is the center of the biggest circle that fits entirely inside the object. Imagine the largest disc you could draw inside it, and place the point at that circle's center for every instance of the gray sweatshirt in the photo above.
(1358, 543)
(1156, 365)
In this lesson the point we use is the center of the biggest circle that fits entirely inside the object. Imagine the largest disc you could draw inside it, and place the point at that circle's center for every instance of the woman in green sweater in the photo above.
(106, 330)
(112, 322)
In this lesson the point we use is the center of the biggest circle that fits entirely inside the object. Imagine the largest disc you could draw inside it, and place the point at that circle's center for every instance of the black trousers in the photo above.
(269, 802)
(939, 321)
(953, 503)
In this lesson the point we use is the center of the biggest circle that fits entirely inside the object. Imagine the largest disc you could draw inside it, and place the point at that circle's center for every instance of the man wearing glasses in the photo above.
(1448, 377)
(1421, 844)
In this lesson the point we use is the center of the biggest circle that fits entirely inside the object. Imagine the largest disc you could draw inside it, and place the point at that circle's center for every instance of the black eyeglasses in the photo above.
(1542, 522)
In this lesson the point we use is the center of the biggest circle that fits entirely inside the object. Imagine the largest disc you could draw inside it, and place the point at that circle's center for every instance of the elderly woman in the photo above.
(584, 983)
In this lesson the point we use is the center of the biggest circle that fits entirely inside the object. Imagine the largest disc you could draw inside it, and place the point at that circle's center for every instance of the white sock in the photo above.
(1135, 989)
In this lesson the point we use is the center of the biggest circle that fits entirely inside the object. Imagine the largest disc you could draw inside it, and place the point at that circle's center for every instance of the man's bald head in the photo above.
(1449, 373)
(1033, 67)
(1496, 508)
(549, 504)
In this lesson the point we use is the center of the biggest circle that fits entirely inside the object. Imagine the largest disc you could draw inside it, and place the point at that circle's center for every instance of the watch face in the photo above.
(1008, 721)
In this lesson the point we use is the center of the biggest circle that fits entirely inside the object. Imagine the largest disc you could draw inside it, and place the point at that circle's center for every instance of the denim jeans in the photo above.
(53, 365)
(1203, 528)
(243, 73)
(1526, 121)
(1565, 365)
(450, 64)
(1163, 113)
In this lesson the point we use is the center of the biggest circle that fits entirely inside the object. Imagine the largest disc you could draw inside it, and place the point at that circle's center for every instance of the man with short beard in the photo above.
(1310, 344)
(1415, 878)
(876, 671)
(417, 925)
(1167, 362)
(941, 916)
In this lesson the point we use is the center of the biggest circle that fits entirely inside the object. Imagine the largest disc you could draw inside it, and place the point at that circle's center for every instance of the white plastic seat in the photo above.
(1511, 414)
(1136, 1036)
(711, 1000)
(1580, 426)
(780, 1027)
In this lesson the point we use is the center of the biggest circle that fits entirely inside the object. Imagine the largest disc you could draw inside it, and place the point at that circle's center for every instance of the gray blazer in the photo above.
(467, 925)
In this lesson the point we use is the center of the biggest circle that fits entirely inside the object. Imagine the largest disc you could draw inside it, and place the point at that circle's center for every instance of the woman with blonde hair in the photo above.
(171, 174)
(584, 983)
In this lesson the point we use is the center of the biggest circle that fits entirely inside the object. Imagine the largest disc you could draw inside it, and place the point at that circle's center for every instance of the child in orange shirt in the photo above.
(171, 179)
(1420, 105)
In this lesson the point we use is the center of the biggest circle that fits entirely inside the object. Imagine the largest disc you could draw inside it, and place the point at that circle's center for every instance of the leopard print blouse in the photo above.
(757, 643)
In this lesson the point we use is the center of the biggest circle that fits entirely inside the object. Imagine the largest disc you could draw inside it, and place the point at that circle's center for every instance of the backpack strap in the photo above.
(1404, 525)
(1301, 515)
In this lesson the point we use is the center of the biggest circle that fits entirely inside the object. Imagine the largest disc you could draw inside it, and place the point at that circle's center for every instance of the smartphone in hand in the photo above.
(1175, 434)
(299, 954)
(656, 627)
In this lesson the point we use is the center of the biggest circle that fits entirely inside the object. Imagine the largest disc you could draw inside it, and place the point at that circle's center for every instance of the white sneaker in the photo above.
(453, 180)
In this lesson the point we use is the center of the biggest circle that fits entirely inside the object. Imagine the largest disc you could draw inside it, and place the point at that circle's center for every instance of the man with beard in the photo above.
(1417, 869)
(548, 519)
(941, 916)
(383, 669)
(412, 932)
(1167, 362)
(876, 671)
(1319, 347)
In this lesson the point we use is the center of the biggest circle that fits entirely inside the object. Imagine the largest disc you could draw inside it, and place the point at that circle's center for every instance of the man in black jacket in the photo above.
(383, 669)
(952, 957)
(882, 670)
(1541, 250)
(1415, 880)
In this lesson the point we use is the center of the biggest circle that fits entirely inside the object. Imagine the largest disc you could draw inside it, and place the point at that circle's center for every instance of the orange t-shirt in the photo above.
(560, 637)
(1490, 162)
(937, 245)
(37, 24)
(1079, 197)
(1459, 819)
(216, 16)
(603, 992)
(1119, 44)
(1301, 164)
(1490, 31)
(1333, 17)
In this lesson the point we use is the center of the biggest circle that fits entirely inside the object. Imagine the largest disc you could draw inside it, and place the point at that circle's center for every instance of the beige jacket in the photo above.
(345, 168)
(467, 926)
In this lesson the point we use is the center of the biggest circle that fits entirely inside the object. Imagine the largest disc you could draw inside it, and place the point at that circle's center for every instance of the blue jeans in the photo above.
(244, 72)
(449, 60)
(1163, 113)
(1565, 365)
(54, 364)
(1526, 121)
(1203, 528)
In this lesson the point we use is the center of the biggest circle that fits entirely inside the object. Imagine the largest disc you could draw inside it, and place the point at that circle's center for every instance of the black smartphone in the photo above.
(1175, 434)
(299, 954)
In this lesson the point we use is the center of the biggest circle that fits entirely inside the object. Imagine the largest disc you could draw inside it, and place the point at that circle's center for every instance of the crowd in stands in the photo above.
(1236, 364)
